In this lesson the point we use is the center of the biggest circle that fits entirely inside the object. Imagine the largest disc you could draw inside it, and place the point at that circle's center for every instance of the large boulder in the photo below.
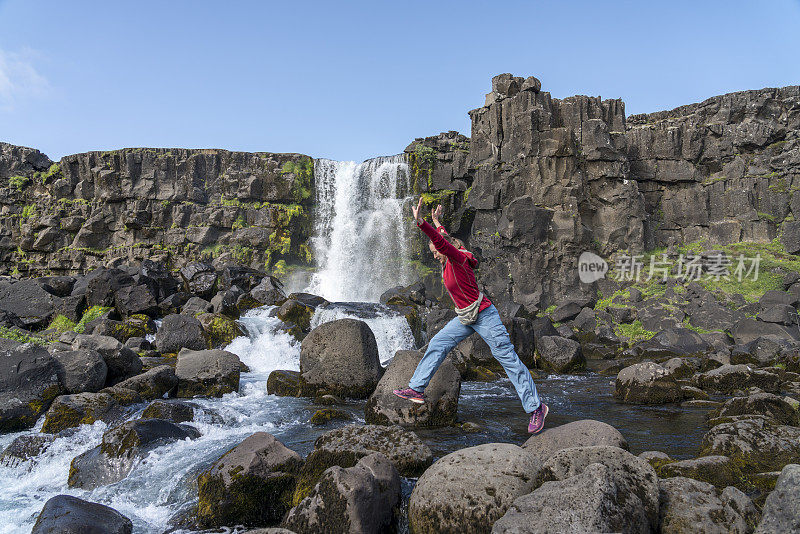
(783, 409)
(158, 279)
(764, 350)
(671, 343)
(344, 446)
(29, 302)
(199, 279)
(81, 370)
(720, 471)
(340, 358)
(583, 433)
(179, 331)
(469, 489)
(756, 443)
(251, 484)
(587, 502)
(268, 292)
(69, 411)
(284, 383)
(732, 378)
(121, 361)
(207, 373)
(152, 384)
(634, 478)
(441, 395)
(359, 500)
(688, 506)
(65, 514)
(25, 447)
(135, 299)
(121, 448)
(402, 447)
(560, 354)
(646, 383)
(28, 384)
(103, 284)
(169, 410)
(782, 507)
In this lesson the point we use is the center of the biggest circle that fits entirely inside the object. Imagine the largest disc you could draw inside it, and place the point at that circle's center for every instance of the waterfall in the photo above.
(361, 236)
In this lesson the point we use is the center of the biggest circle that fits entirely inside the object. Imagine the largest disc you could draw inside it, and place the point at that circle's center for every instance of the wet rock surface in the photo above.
(441, 405)
(70, 515)
(341, 358)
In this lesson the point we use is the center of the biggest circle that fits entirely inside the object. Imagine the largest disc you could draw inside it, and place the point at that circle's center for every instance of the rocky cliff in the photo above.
(539, 181)
(542, 179)
(172, 205)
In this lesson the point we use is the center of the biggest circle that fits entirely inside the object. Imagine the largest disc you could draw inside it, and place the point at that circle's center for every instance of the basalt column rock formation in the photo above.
(542, 180)
(172, 205)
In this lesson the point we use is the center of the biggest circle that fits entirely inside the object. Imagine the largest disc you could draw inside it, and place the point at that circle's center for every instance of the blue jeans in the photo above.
(491, 329)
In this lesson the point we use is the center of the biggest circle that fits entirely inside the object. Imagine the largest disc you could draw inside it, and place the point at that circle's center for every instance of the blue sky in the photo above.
(352, 80)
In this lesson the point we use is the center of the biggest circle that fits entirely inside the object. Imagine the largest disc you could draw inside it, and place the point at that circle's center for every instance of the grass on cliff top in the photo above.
(773, 263)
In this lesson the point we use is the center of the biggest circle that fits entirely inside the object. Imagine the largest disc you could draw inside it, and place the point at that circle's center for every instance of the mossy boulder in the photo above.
(688, 506)
(326, 415)
(28, 384)
(251, 485)
(296, 313)
(782, 409)
(68, 514)
(69, 411)
(179, 331)
(219, 329)
(121, 448)
(755, 443)
(358, 499)
(720, 471)
(169, 410)
(152, 384)
(646, 383)
(440, 408)
(207, 373)
(732, 378)
(284, 383)
(469, 489)
(583, 433)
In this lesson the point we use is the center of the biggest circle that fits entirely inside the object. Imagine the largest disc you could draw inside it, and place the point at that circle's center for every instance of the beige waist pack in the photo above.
(469, 314)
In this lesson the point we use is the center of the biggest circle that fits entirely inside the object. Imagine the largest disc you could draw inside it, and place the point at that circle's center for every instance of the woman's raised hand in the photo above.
(436, 214)
(417, 212)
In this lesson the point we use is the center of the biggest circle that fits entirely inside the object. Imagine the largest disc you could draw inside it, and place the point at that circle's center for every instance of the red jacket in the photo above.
(458, 274)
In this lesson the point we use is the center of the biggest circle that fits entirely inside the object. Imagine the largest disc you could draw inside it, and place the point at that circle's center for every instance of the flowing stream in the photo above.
(361, 246)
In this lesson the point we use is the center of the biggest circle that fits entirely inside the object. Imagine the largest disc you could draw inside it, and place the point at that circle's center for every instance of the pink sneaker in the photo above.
(536, 424)
(410, 394)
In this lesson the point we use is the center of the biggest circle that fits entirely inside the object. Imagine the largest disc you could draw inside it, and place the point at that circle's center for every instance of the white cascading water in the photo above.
(361, 241)
(361, 248)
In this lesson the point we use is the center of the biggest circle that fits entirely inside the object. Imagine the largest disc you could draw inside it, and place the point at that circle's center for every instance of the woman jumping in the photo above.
(475, 314)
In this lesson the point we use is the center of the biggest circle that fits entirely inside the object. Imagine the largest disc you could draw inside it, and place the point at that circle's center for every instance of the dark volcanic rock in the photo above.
(179, 331)
(441, 405)
(154, 383)
(560, 354)
(207, 373)
(731, 378)
(81, 370)
(65, 514)
(169, 410)
(199, 279)
(646, 383)
(340, 358)
(121, 361)
(359, 499)
(284, 383)
(28, 384)
(252, 484)
(756, 443)
(28, 301)
(121, 447)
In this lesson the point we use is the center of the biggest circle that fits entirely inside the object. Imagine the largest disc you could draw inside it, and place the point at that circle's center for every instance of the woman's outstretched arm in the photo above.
(439, 242)
(435, 215)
